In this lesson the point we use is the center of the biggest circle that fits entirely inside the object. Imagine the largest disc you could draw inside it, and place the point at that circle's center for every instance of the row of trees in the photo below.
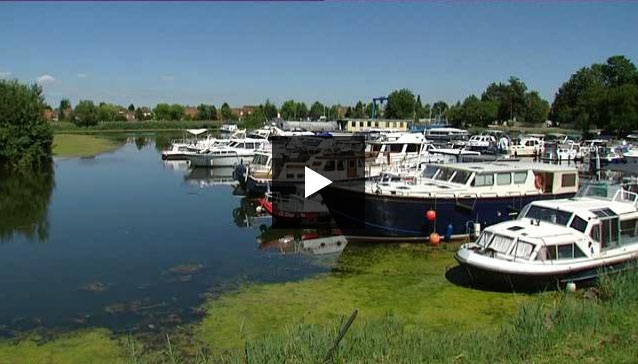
(500, 102)
(603, 95)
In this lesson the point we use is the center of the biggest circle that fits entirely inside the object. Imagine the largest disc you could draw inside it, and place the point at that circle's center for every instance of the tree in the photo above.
(333, 112)
(349, 112)
(359, 111)
(289, 110)
(176, 112)
(302, 111)
(255, 119)
(139, 114)
(536, 109)
(621, 108)
(85, 113)
(400, 105)
(131, 107)
(162, 111)
(592, 96)
(107, 112)
(25, 136)
(226, 113)
(316, 110)
(65, 107)
(439, 108)
(206, 112)
(270, 110)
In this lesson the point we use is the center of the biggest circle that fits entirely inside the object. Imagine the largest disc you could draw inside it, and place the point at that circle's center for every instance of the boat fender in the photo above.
(571, 287)
(449, 232)
(477, 229)
(538, 181)
(430, 215)
(435, 239)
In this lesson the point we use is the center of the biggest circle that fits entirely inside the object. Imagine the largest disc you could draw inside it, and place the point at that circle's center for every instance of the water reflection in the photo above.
(247, 214)
(24, 204)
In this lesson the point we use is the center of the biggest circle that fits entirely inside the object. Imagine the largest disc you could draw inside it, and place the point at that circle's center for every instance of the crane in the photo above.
(381, 100)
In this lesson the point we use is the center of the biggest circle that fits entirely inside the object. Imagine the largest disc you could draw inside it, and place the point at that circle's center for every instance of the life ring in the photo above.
(538, 181)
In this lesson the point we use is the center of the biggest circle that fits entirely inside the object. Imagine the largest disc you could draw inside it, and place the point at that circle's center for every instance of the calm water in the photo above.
(125, 240)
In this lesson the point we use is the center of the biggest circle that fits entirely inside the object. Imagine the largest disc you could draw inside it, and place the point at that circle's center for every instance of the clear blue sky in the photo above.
(242, 53)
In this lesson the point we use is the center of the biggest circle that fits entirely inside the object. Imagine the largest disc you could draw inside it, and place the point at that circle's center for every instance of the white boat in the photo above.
(481, 143)
(406, 148)
(526, 147)
(180, 150)
(239, 151)
(446, 135)
(559, 241)
(228, 128)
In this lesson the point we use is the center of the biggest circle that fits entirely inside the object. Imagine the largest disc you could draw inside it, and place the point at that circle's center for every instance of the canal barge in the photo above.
(452, 200)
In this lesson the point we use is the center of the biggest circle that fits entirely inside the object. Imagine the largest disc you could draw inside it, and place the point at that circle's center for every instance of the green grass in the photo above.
(95, 346)
(404, 280)
(74, 145)
(118, 126)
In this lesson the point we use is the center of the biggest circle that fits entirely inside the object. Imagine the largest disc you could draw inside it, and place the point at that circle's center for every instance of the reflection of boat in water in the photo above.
(247, 212)
(292, 209)
(176, 165)
(310, 242)
(559, 241)
(205, 177)
(255, 178)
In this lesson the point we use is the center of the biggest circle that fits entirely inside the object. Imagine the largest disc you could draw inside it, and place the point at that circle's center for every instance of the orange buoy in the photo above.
(435, 239)
(430, 215)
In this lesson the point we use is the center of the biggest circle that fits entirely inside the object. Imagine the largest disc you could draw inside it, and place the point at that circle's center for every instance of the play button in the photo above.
(313, 182)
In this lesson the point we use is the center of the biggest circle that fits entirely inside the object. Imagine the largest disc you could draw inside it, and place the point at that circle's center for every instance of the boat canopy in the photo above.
(196, 131)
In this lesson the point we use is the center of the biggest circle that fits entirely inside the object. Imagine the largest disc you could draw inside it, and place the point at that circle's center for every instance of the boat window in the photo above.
(483, 180)
(554, 216)
(595, 233)
(568, 180)
(329, 166)
(341, 166)
(396, 148)
(547, 253)
(369, 124)
(504, 179)
(413, 148)
(501, 243)
(376, 147)
(429, 171)
(353, 124)
(250, 145)
(316, 163)
(523, 249)
(461, 177)
(359, 163)
(361, 124)
(484, 239)
(520, 177)
(376, 124)
(444, 174)
(578, 253)
(566, 251)
(629, 228)
(579, 224)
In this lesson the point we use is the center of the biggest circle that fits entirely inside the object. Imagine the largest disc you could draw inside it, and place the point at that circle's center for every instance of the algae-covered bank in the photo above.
(410, 311)
(79, 145)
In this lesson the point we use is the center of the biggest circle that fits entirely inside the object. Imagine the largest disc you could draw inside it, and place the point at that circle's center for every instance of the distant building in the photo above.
(242, 112)
(308, 125)
(354, 125)
(190, 112)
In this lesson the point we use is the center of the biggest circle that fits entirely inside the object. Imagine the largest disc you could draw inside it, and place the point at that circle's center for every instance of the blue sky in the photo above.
(243, 53)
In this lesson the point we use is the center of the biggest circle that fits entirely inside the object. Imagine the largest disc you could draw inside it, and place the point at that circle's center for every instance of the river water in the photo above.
(127, 241)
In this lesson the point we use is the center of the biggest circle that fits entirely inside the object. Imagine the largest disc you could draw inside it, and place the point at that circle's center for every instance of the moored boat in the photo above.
(462, 195)
(560, 241)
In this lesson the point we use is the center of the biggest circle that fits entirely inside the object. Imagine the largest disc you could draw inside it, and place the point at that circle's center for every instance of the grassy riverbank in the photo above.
(76, 145)
(119, 126)
(408, 312)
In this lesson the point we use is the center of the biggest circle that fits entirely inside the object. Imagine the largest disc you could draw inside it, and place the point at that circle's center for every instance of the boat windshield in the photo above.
(554, 216)
(430, 171)
(444, 174)
(461, 177)
(260, 159)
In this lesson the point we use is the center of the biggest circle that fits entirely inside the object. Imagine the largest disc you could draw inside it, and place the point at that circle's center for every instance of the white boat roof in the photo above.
(509, 166)
(545, 231)
(583, 206)
(196, 131)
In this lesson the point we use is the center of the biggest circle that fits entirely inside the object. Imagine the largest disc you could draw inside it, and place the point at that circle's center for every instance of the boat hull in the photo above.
(505, 280)
(367, 214)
